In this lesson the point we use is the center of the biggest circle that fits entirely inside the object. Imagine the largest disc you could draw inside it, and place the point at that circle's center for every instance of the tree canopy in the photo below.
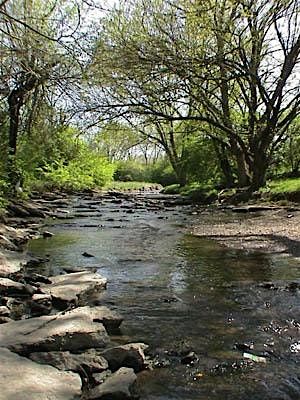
(219, 76)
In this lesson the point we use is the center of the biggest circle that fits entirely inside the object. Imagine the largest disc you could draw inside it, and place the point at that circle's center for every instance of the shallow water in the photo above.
(177, 291)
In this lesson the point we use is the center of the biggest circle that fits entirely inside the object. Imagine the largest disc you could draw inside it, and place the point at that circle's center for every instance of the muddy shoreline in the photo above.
(266, 229)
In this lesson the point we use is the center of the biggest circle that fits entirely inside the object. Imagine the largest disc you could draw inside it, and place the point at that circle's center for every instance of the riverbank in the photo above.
(268, 229)
(196, 305)
(54, 341)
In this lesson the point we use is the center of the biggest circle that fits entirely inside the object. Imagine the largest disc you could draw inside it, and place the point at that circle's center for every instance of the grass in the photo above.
(282, 189)
(194, 191)
(117, 185)
(284, 185)
(171, 189)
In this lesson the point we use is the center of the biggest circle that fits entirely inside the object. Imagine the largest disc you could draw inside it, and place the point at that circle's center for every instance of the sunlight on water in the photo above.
(176, 290)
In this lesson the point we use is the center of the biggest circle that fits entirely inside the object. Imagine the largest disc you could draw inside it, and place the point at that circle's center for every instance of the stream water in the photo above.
(178, 292)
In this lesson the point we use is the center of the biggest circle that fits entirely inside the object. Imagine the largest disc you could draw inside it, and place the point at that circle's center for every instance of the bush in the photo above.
(128, 171)
(162, 173)
(171, 189)
(85, 172)
(283, 189)
(200, 193)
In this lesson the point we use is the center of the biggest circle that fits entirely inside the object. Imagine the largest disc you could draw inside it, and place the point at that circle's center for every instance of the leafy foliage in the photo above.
(86, 171)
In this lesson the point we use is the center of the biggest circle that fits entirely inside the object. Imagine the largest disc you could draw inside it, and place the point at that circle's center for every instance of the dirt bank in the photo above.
(265, 229)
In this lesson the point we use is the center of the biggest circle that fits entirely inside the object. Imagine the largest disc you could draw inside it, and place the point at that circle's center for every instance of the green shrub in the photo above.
(283, 189)
(127, 171)
(162, 173)
(171, 189)
(200, 193)
(116, 185)
(85, 172)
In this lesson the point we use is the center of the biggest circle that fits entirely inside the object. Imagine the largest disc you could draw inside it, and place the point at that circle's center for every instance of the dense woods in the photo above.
(169, 91)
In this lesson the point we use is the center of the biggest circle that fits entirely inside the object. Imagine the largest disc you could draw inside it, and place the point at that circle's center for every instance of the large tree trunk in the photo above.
(224, 163)
(243, 172)
(258, 170)
(14, 103)
(179, 171)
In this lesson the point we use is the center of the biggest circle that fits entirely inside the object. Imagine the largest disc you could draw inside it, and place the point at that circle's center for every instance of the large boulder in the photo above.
(71, 288)
(119, 386)
(66, 361)
(129, 355)
(23, 379)
(71, 331)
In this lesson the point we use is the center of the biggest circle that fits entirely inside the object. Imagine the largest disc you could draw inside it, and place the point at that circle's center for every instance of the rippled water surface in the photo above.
(178, 292)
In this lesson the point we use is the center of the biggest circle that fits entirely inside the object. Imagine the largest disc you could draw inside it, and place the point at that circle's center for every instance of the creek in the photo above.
(179, 293)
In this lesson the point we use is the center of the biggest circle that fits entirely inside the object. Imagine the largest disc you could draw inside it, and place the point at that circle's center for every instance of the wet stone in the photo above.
(47, 234)
(86, 254)
(190, 358)
(119, 386)
(129, 355)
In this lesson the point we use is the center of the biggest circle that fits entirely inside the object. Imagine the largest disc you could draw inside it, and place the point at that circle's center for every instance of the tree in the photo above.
(116, 141)
(135, 87)
(254, 96)
(40, 44)
(230, 65)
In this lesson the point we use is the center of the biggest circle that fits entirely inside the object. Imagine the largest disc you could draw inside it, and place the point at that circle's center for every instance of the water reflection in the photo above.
(174, 288)
(217, 264)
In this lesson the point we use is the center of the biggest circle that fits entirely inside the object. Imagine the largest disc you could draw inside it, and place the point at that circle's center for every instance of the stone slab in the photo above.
(71, 331)
(9, 287)
(109, 318)
(23, 379)
(11, 262)
(66, 361)
(69, 288)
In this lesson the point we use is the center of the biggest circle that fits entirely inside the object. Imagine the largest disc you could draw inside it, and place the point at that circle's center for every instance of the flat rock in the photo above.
(23, 379)
(11, 262)
(71, 331)
(129, 355)
(70, 269)
(17, 236)
(70, 288)
(109, 318)
(4, 311)
(4, 320)
(118, 386)
(10, 287)
(66, 361)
